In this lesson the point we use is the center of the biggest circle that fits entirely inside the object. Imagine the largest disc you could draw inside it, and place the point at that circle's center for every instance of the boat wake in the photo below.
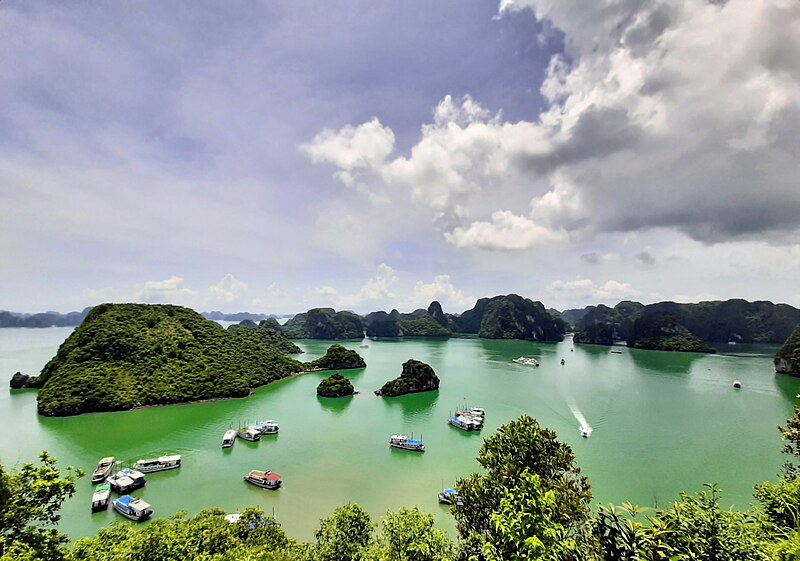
(585, 427)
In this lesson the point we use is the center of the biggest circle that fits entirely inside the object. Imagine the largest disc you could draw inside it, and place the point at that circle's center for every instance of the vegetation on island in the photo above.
(530, 502)
(337, 358)
(335, 385)
(787, 359)
(509, 317)
(131, 355)
(664, 332)
(419, 323)
(415, 377)
(44, 319)
(323, 323)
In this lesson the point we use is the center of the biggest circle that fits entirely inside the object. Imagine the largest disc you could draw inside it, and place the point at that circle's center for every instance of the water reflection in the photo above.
(336, 405)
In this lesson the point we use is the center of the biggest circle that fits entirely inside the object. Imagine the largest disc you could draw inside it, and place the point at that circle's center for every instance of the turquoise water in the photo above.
(663, 423)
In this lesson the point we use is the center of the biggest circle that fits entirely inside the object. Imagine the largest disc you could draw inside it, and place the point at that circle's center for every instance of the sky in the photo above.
(280, 155)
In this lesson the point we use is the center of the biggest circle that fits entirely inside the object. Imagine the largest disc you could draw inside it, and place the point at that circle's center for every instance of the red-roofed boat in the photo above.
(265, 479)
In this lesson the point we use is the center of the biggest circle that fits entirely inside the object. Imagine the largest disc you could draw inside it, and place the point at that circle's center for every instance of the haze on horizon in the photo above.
(276, 156)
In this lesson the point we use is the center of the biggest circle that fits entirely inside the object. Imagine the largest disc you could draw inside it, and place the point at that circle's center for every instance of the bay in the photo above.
(663, 423)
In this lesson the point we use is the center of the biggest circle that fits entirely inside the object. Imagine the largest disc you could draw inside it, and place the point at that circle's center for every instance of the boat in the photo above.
(126, 480)
(251, 435)
(403, 442)
(363, 346)
(133, 509)
(464, 423)
(162, 463)
(737, 384)
(471, 416)
(563, 361)
(228, 438)
(450, 496)
(100, 497)
(617, 352)
(265, 427)
(265, 479)
(526, 361)
(585, 432)
(103, 470)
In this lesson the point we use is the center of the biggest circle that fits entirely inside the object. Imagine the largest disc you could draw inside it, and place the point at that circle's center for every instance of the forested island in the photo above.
(335, 385)
(415, 377)
(787, 360)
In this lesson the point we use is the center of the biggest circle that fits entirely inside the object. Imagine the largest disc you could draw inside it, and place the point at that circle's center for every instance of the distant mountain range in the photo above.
(73, 319)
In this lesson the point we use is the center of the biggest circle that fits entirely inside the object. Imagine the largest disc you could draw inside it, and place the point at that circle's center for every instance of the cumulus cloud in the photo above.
(167, 291)
(378, 289)
(441, 289)
(659, 115)
(578, 290)
(228, 290)
(593, 258)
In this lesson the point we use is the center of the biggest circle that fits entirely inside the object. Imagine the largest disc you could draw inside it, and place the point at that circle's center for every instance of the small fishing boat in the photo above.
(403, 442)
(161, 463)
(126, 480)
(265, 479)
(563, 361)
(228, 438)
(450, 496)
(103, 470)
(265, 427)
(585, 432)
(737, 384)
(133, 509)
(100, 497)
(526, 361)
(251, 435)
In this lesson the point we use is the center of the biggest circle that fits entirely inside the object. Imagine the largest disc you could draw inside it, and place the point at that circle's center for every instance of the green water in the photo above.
(663, 423)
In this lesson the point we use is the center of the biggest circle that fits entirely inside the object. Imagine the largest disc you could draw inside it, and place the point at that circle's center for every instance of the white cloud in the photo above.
(585, 290)
(167, 291)
(506, 231)
(351, 148)
(378, 289)
(228, 290)
(441, 289)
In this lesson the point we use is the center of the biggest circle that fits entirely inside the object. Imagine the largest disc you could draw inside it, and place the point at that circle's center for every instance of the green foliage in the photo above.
(787, 359)
(510, 317)
(781, 502)
(343, 536)
(266, 336)
(30, 500)
(423, 327)
(409, 535)
(415, 377)
(324, 323)
(337, 358)
(335, 385)
(681, 343)
(791, 434)
(128, 355)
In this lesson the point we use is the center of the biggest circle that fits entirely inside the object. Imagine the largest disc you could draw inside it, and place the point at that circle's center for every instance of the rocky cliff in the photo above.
(415, 377)
(324, 323)
(509, 317)
(787, 360)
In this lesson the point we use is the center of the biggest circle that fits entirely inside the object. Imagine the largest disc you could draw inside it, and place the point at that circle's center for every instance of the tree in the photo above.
(409, 535)
(344, 535)
(791, 433)
(30, 499)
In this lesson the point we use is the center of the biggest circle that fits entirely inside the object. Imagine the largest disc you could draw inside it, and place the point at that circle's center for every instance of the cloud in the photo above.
(441, 289)
(378, 289)
(586, 290)
(658, 115)
(228, 290)
(167, 291)
(645, 258)
(594, 258)
(351, 148)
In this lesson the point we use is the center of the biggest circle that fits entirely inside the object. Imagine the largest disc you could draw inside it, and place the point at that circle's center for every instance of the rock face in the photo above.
(338, 358)
(335, 385)
(419, 323)
(510, 317)
(416, 377)
(596, 334)
(129, 355)
(787, 360)
(664, 332)
(324, 323)
(18, 381)
(436, 312)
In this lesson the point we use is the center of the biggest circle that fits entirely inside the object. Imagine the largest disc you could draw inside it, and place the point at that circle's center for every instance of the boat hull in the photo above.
(133, 515)
(100, 504)
(153, 469)
(407, 447)
(263, 484)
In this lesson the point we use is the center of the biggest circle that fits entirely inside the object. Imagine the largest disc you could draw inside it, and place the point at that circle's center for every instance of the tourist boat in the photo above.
(126, 480)
(265, 479)
(228, 438)
(450, 496)
(526, 361)
(563, 361)
(249, 434)
(100, 497)
(265, 427)
(133, 509)
(464, 423)
(103, 470)
(405, 443)
(737, 384)
(161, 463)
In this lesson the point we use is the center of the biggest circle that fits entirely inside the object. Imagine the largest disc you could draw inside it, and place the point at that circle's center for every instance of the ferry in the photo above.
(161, 463)
(464, 423)
(265, 427)
(405, 443)
(100, 497)
(251, 435)
(450, 496)
(526, 361)
(103, 470)
(228, 438)
(126, 480)
(133, 509)
(265, 479)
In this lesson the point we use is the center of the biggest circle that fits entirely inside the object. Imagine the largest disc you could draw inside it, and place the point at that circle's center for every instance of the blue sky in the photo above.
(273, 156)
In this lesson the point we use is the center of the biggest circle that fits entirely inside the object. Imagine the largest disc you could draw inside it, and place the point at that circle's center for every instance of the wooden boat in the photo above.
(264, 479)
(251, 435)
(103, 470)
(126, 480)
(100, 497)
(404, 443)
(133, 509)
(161, 463)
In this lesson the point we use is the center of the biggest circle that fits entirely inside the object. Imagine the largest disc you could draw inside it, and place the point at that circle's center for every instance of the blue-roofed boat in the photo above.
(403, 442)
(450, 496)
(126, 480)
(133, 509)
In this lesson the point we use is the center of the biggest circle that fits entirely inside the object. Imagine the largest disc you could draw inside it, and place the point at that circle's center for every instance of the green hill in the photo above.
(509, 317)
(323, 323)
(130, 355)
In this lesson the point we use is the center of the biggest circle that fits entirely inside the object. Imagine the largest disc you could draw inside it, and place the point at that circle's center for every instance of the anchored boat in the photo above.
(526, 361)
(251, 435)
(228, 438)
(265, 427)
(402, 441)
(265, 479)
(161, 463)
(133, 509)
(450, 496)
(464, 423)
(100, 497)
(126, 480)
(103, 470)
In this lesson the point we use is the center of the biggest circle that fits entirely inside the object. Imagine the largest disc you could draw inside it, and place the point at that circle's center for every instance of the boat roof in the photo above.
(139, 504)
(108, 460)
(173, 458)
(269, 475)
(414, 442)
(230, 431)
(125, 500)
(103, 487)
(400, 436)
(449, 492)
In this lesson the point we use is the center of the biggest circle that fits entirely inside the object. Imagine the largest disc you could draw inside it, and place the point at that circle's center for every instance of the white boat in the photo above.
(228, 438)
(126, 480)
(464, 423)
(251, 435)
(133, 509)
(161, 463)
(265, 427)
(737, 384)
(585, 432)
(100, 497)
(403, 442)
(103, 470)
(266, 479)
(526, 361)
